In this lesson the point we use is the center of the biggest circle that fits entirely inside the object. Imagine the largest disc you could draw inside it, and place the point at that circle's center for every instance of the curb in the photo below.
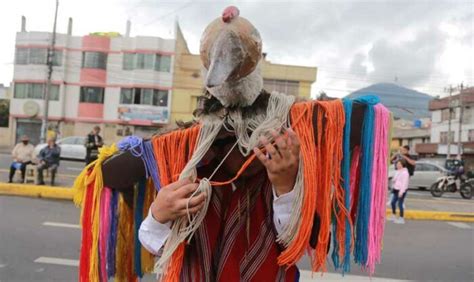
(67, 193)
(26, 190)
(437, 215)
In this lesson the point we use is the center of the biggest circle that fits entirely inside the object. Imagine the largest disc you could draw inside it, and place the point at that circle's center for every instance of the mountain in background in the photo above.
(405, 103)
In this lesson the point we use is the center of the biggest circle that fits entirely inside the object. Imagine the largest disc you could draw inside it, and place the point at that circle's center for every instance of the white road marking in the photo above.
(60, 224)
(307, 276)
(57, 261)
(460, 225)
(2, 265)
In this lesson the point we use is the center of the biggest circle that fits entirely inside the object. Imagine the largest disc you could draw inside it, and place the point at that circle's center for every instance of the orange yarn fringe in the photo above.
(321, 150)
(322, 154)
(172, 152)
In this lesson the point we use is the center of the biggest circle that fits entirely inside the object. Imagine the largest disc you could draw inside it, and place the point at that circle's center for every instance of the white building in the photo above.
(440, 123)
(122, 83)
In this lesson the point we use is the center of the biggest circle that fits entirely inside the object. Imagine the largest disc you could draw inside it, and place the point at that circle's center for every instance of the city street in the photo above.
(40, 240)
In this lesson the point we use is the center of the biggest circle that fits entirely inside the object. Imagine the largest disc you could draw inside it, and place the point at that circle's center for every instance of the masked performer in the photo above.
(244, 191)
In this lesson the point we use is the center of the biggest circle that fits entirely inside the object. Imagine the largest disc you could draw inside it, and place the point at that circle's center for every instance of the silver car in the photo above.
(71, 148)
(426, 173)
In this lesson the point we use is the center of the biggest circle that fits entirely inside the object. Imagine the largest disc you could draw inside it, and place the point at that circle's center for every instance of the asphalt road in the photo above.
(39, 241)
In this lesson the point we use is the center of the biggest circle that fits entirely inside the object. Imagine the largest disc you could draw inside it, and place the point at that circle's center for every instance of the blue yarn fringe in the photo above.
(363, 211)
(112, 240)
(138, 221)
(144, 150)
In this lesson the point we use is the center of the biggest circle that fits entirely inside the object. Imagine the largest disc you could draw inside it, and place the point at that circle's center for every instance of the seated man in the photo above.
(48, 159)
(22, 155)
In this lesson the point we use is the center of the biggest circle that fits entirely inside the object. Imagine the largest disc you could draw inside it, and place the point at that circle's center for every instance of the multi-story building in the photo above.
(440, 123)
(127, 85)
(123, 83)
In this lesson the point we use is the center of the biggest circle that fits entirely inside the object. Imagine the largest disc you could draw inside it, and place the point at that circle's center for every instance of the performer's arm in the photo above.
(281, 161)
(282, 206)
(170, 203)
(153, 234)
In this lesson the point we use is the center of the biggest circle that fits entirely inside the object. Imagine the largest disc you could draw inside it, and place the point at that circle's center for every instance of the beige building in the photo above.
(188, 81)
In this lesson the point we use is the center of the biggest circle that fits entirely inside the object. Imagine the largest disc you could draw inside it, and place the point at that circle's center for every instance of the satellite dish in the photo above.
(31, 108)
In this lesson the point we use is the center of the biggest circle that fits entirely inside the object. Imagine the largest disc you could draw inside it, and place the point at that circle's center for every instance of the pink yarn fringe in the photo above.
(379, 186)
(104, 229)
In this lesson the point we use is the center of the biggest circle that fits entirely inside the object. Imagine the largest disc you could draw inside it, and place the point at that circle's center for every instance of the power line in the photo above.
(161, 17)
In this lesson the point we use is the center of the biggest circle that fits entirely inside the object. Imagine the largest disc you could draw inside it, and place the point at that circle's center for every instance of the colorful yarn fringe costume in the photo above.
(340, 191)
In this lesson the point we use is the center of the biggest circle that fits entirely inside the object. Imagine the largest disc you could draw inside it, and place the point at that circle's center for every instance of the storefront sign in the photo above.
(143, 114)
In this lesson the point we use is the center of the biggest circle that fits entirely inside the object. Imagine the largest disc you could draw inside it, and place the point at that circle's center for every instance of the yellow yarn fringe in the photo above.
(125, 246)
(93, 172)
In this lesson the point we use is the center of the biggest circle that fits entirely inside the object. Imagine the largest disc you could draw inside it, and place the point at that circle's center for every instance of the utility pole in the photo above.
(448, 154)
(47, 89)
(461, 111)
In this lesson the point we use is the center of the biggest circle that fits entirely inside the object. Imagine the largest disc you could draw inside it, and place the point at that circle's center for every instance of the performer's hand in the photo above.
(282, 163)
(170, 202)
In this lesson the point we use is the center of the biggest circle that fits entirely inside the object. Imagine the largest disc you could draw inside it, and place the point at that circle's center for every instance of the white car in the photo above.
(426, 173)
(71, 148)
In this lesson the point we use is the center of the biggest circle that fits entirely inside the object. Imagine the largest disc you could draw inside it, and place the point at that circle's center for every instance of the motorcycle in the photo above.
(449, 183)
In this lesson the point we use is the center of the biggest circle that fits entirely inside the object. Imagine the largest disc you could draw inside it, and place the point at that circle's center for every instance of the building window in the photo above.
(37, 56)
(445, 114)
(444, 137)
(128, 61)
(21, 56)
(35, 91)
(146, 62)
(283, 86)
(163, 63)
(94, 60)
(467, 115)
(470, 135)
(92, 95)
(144, 96)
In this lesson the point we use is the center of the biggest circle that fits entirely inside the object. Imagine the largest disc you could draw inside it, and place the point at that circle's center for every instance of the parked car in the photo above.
(71, 148)
(426, 173)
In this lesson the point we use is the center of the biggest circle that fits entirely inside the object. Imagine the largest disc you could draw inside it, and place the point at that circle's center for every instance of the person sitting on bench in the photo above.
(48, 159)
(22, 155)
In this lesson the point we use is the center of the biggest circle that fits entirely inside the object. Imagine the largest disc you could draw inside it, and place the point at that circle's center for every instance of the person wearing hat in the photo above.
(22, 155)
(48, 158)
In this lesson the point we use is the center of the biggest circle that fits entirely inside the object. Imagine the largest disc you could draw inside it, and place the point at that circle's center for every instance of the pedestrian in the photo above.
(93, 142)
(22, 156)
(404, 154)
(399, 191)
(48, 159)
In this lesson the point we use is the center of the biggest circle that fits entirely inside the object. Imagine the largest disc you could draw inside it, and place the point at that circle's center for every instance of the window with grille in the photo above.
(144, 96)
(35, 91)
(144, 61)
(444, 137)
(94, 60)
(92, 95)
(37, 56)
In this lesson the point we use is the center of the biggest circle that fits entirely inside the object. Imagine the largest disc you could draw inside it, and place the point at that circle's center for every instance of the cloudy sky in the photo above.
(420, 44)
